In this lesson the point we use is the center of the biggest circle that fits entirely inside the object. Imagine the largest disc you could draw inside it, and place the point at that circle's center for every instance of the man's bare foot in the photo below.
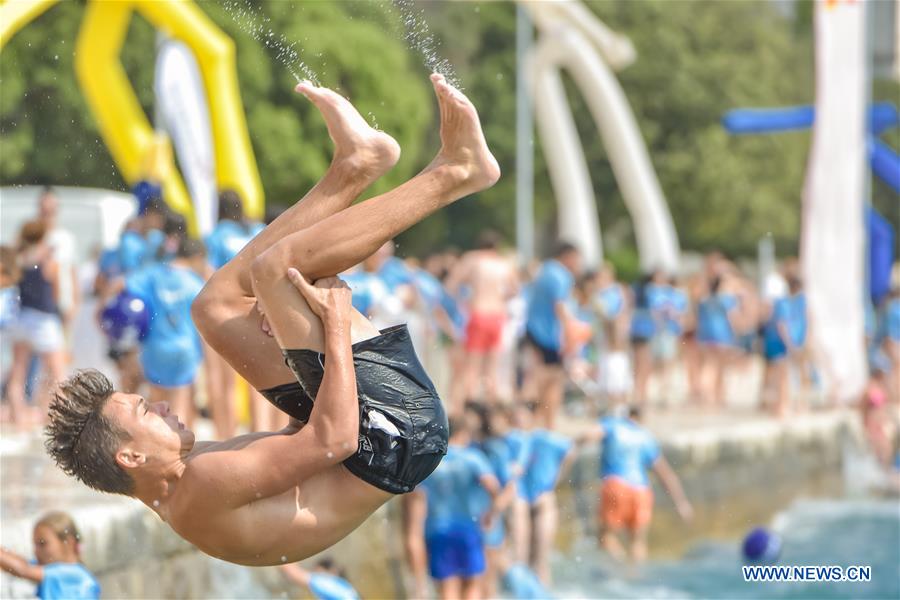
(357, 145)
(464, 151)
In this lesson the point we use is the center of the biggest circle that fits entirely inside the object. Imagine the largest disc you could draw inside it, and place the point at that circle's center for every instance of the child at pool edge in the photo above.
(57, 568)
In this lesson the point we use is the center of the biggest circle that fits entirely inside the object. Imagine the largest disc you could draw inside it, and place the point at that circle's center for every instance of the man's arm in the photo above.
(415, 510)
(16, 565)
(672, 484)
(273, 464)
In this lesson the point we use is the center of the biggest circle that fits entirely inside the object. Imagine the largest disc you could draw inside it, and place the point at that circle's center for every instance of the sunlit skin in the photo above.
(173, 474)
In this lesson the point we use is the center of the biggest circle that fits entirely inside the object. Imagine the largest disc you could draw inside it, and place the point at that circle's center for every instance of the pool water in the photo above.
(840, 532)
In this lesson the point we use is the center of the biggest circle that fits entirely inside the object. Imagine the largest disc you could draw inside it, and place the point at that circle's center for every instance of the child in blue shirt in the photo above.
(57, 568)
(326, 581)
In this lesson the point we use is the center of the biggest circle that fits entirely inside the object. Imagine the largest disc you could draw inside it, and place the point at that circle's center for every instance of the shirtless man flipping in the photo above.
(367, 421)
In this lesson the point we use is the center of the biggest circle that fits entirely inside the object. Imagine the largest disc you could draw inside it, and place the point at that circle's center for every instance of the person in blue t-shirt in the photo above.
(784, 338)
(627, 453)
(550, 324)
(716, 313)
(57, 568)
(325, 582)
(545, 456)
(447, 512)
(890, 335)
(228, 237)
(171, 351)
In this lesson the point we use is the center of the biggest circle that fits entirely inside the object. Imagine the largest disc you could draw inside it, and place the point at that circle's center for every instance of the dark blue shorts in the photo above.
(455, 550)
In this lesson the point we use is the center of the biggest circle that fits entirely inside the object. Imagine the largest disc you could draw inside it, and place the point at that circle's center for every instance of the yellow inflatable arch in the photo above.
(126, 131)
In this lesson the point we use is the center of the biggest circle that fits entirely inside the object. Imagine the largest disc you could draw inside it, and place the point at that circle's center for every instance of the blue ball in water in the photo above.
(125, 320)
(762, 545)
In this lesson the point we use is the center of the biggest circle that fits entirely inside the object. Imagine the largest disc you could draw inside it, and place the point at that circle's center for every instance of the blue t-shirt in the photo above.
(676, 307)
(172, 341)
(891, 327)
(627, 451)
(611, 301)
(368, 290)
(132, 252)
(67, 581)
(331, 587)
(454, 489)
(713, 325)
(547, 452)
(395, 273)
(553, 284)
(227, 239)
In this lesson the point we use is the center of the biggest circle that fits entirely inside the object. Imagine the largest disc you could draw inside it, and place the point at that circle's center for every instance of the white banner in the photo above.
(181, 102)
(832, 241)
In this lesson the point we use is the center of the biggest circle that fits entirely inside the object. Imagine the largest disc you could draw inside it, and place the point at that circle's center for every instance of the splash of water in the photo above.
(253, 22)
(418, 37)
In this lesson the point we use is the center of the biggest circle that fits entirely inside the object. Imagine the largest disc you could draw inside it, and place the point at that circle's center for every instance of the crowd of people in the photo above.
(509, 341)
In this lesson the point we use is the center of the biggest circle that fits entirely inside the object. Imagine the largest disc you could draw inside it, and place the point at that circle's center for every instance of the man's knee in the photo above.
(269, 267)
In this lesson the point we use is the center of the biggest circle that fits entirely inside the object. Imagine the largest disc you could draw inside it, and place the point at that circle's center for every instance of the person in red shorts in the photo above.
(628, 451)
(490, 280)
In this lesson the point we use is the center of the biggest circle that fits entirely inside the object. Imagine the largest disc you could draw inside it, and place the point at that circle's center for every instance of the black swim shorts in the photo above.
(402, 424)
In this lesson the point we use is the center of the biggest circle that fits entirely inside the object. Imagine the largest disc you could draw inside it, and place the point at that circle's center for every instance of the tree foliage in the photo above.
(696, 60)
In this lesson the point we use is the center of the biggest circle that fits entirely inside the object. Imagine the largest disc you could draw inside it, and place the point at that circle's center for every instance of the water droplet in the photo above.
(156, 503)
(284, 559)
(330, 455)
(499, 76)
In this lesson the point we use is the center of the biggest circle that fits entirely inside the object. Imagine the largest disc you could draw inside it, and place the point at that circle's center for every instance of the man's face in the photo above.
(155, 431)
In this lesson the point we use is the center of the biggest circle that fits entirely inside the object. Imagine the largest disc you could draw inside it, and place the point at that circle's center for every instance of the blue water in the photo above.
(815, 532)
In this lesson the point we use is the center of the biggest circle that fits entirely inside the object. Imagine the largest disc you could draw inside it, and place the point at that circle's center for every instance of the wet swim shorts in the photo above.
(402, 424)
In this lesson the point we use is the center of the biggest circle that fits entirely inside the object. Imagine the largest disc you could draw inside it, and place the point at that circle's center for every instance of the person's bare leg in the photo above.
(609, 541)
(638, 545)
(520, 531)
(463, 166)
(15, 385)
(449, 588)
(226, 310)
(472, 588)
(545, 524)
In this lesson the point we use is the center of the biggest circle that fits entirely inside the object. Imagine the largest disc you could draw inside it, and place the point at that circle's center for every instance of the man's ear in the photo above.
(128, 458)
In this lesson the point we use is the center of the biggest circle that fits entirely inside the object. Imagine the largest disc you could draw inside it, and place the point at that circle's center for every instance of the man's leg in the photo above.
(225, 312)
(463, 166)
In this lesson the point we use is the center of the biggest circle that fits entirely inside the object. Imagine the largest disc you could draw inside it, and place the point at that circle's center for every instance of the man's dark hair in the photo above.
(82, 440)
(231, 207)
(488, 240)
(47, 190)
(563, 248)
(634, 412)
(455, 424)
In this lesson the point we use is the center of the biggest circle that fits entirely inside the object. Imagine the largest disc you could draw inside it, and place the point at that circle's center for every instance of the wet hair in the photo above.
(231, 207)
(32, 233)
(81, 440)
(62, 524)
(563, 248)
(488, 240)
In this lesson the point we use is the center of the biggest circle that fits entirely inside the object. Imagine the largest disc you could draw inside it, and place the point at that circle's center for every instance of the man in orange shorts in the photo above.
(492, 281)
(628, 451)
